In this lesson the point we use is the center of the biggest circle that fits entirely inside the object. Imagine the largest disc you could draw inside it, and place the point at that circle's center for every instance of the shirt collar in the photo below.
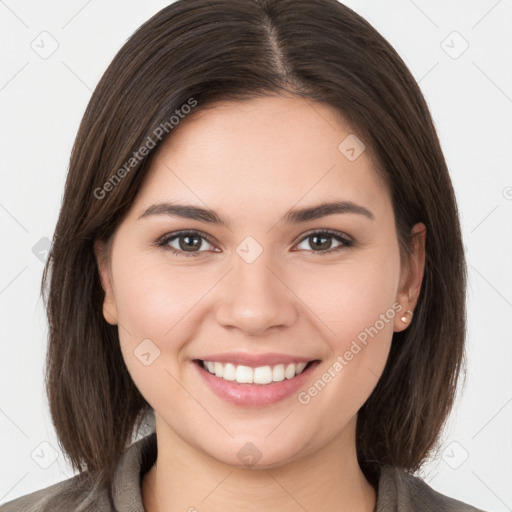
(134, 463)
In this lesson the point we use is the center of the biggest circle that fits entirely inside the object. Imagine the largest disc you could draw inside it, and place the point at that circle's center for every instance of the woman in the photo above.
(259, 249)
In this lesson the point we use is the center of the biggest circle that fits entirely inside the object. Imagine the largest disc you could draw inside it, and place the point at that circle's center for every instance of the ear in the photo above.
(102, 254)
(411, 277)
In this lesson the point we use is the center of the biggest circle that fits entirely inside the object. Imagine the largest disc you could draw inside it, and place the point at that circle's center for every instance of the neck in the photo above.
(185, 478)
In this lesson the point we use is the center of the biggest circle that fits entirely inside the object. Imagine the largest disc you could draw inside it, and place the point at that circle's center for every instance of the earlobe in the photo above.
(411, 278)
(101, 253)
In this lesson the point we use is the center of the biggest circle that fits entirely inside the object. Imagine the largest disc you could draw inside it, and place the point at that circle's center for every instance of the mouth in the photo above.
(247, 386)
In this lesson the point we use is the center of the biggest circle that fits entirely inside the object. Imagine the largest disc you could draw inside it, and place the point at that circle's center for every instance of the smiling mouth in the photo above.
(260, 375)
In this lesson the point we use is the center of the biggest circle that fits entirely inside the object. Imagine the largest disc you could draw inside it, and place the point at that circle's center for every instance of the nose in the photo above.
(255, 298)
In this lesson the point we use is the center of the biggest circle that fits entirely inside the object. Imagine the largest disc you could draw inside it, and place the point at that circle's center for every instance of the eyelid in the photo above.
(182, 232)
(332, 232)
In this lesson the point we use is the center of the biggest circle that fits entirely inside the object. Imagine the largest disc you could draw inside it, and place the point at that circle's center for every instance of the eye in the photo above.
(321, 241)
(189, 243)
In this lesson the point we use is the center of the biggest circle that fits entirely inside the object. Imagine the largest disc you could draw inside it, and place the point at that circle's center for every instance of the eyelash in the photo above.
(164, 241)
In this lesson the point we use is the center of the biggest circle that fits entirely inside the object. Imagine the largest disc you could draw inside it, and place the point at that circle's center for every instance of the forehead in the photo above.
(265, 151)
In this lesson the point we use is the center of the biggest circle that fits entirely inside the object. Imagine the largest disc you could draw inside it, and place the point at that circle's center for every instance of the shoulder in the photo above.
(83, 492)
(78, 493)
(401, 491)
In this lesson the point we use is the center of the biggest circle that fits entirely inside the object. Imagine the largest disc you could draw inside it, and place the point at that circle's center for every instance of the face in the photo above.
(263, 286)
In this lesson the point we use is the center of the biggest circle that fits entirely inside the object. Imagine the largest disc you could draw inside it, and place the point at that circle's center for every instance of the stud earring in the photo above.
(404, 318)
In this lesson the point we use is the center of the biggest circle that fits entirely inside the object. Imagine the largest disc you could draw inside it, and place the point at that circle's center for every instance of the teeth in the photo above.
(278, 373)
(248, 375)
(229, 371)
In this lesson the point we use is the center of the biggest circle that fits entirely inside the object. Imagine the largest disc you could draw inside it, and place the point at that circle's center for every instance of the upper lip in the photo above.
(255, 360)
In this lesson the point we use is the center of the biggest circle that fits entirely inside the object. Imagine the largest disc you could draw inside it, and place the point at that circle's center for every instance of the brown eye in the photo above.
(192, 242)
(321, 242)
(186, 243)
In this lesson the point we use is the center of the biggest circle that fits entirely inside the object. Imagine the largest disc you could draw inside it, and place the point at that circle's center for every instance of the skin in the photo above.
(251, 162)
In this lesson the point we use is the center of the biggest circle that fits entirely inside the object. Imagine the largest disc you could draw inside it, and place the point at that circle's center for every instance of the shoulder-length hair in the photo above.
(197, 52)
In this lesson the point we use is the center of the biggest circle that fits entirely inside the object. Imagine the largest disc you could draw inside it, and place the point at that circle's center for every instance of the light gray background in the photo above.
(470, 96)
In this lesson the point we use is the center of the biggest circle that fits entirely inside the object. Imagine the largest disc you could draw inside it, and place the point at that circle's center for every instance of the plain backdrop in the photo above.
(54, 53)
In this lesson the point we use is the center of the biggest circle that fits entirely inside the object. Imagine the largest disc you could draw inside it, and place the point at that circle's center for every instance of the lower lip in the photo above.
(255, 395)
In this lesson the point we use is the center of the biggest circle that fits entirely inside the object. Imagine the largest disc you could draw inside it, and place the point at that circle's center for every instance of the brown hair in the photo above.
(212, 50)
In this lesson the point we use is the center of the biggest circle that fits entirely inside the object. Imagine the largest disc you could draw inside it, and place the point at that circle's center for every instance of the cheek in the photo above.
(356, 304)
(353, 306)
(160, 303)
(152, 298)
(155, 305)
(352, 296)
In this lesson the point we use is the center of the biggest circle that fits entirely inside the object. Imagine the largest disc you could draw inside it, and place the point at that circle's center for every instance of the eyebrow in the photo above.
(291, 217)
